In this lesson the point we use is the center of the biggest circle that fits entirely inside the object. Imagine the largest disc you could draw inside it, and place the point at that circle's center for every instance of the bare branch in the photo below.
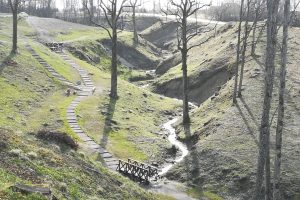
(97, 24)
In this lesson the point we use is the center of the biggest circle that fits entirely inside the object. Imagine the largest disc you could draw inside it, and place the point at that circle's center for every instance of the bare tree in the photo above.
(279, 129)
(112, 10)
(182, 10)
(264, 136)
(259, 6)
(227, 11)
(244, 49)
(14, 5)
(238, 53)
(134, 4)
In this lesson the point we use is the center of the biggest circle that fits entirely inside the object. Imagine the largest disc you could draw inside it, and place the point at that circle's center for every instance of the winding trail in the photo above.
(87, 89)
(50, 69)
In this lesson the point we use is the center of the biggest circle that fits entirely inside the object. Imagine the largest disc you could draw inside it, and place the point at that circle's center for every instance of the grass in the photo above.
(200, 57)
(137, 114)
(92, 49)
(7, 179)
(197, 193)
(82, 35)
(18, 94)
(57, 63)
(30, 105)
(89, 45)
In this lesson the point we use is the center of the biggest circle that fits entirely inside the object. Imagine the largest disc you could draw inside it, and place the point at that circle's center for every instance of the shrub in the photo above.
(57, 137)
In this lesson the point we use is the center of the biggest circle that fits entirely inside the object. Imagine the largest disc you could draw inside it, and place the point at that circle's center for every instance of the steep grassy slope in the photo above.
(209, 65)
(128, 125)
(224, 138)
(32, 100)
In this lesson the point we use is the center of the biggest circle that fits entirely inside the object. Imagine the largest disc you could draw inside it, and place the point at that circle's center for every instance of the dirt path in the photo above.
(87, 89)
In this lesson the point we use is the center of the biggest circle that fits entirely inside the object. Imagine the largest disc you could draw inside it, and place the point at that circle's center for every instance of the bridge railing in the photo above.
(137, 169)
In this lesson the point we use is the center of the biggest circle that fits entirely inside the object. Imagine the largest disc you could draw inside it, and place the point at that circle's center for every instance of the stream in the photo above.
(165, 186)
(173, 140)
(168, 187)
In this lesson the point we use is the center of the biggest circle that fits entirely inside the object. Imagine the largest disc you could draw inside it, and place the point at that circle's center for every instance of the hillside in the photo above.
(60, 130)
(33, 102)
(223, 138)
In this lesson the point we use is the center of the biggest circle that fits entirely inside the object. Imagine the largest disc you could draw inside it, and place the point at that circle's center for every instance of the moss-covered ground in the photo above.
(32, 100)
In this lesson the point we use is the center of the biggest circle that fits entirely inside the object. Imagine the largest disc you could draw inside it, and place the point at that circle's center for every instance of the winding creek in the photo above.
(173, 140)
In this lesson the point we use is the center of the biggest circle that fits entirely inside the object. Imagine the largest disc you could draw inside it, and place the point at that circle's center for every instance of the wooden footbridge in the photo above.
(55, 46)
(137, 170)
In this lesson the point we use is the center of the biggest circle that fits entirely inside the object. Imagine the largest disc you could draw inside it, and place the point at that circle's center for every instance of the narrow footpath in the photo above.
(87, 89)
(50, 69)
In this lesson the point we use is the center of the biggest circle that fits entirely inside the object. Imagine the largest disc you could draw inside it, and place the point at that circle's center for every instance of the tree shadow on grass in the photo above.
(192, 164)
(7, 61)
(108, 121)
(249, 111)
(249, 127)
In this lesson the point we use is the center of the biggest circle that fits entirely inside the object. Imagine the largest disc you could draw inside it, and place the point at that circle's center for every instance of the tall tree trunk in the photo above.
(92, 13)
(114, 65)
(15, 29)
(253, 43)
(238, 54)
(186, 117)
(264, 136)
(184, 50)
(135, 34)
(279, 129)
(244, 49)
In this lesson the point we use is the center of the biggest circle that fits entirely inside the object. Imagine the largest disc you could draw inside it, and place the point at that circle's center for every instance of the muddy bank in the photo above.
(202, 84)
(161, 34)
(168, 63)
(137, 59)
(142, 23)
(129, 56)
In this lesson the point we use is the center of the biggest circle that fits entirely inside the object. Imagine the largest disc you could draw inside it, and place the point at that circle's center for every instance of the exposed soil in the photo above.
(136, 59)
(202, 84)
(142, 23)
(161, 34)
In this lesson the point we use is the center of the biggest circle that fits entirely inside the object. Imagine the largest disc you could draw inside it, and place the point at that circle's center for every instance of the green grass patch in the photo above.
(57, 63)
(198, 193)
(123, 148)
(79, 35)
(6, 180)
